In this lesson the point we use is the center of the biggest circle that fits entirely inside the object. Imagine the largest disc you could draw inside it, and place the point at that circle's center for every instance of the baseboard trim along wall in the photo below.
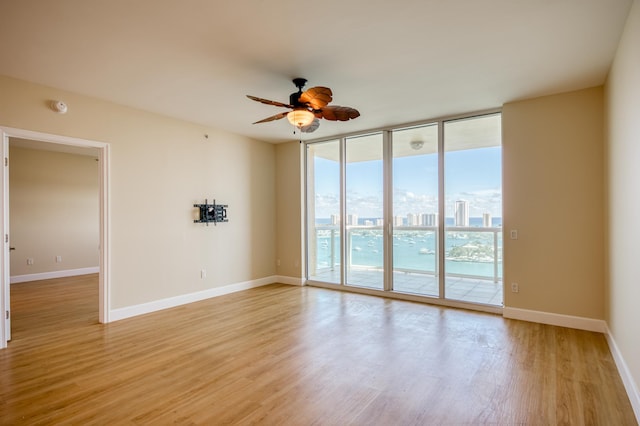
(289, 280)
(172, 302)
(55, 274)
(627, 379)
(580, 323)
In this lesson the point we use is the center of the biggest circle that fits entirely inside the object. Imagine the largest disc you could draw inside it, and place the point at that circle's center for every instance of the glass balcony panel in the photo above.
(415, 260)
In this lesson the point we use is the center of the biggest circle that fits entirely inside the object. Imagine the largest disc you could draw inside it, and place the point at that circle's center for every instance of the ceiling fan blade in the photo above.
(316, 97)
(339, 113)
(268, 102)
(311, 127)
(273, 117)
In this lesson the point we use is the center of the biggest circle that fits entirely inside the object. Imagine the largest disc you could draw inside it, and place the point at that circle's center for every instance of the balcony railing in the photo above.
(469, 252)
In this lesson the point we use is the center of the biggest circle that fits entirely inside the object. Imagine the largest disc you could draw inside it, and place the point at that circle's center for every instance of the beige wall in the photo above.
(160, 167)
(553, 194)
(54, 211)
(623, 193)
(289, 183)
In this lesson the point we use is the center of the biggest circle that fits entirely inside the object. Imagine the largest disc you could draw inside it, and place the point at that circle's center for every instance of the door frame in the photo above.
(103, 148)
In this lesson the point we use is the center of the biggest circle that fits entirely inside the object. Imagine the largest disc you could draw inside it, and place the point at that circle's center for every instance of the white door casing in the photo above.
(5, 293)
(104, 254)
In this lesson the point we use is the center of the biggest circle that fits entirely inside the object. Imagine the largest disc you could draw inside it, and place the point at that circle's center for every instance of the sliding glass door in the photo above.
(473, 204)
(414, 210)
(323, 212)
(364, 248)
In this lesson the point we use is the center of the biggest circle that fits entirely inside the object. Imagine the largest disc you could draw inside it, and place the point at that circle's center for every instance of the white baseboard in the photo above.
(580, 323)
(55, 274)
(627, 379)
(171, 302)
(289, 280)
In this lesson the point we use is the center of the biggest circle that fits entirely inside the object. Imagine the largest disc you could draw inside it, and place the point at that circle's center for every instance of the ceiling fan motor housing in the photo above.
(294, 98)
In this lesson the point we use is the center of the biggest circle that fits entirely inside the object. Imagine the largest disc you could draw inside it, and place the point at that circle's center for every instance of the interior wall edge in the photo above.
(625, 374)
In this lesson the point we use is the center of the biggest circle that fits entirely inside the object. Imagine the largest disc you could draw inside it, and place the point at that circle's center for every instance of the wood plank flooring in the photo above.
(285, 355)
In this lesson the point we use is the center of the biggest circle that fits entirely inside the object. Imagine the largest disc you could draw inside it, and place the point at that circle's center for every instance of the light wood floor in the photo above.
(285, 355)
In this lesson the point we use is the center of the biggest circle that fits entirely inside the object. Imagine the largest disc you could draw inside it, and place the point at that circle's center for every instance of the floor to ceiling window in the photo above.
(323, 210)
(364, 252)
(473, 209)
(414, 210)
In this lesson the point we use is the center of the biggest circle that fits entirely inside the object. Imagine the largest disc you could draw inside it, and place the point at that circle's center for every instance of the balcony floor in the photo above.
(473, 290)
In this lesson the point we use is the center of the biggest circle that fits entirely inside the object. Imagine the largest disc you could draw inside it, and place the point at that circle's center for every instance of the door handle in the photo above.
(12, 248)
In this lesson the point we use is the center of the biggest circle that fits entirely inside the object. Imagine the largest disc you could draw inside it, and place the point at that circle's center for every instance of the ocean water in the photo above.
(470, 253)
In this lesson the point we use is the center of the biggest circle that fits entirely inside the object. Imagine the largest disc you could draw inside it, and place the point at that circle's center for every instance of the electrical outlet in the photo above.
(515, 288)
(278, 262)
(203, 274)
(58, 259)
(30, 261)
(514, 234)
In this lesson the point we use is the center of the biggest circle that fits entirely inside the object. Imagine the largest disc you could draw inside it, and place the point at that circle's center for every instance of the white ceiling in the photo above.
(395, 61)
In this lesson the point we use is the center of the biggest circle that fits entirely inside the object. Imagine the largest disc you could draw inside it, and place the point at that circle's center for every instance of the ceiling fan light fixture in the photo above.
(300, 117)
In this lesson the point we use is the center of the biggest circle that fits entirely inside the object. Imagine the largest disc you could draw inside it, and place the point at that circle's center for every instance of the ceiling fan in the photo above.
(308, 107)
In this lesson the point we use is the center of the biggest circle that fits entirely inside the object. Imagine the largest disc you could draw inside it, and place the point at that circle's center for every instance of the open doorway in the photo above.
(54, 234)
(98, 154)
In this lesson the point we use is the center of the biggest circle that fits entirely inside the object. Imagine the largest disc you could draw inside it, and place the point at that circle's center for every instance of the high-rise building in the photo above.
(412, 219)
(429, 219)
(462, 213)
(486, 220)
(379, 222)
(398, 221)
(352, 219)
(335, 219)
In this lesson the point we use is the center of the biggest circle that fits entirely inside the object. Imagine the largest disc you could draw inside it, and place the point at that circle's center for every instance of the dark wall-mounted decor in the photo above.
(211, 212)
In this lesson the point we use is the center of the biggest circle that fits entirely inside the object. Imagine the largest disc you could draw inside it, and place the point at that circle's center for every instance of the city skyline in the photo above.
(413, 219)
(473, 175)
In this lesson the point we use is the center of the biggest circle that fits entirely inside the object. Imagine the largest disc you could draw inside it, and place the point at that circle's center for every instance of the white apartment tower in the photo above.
(429, 219)
(462, 213)
(486, 220)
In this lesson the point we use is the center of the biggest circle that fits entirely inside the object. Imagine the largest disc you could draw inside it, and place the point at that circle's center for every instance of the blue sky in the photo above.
(473, 175)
